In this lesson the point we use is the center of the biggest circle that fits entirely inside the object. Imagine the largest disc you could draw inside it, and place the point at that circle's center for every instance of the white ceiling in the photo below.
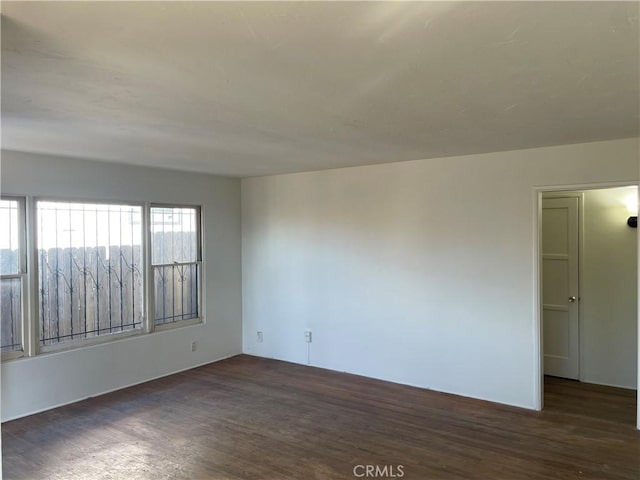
(262, 88)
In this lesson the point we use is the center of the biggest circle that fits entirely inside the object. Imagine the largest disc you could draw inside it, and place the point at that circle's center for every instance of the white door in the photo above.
(560, 296)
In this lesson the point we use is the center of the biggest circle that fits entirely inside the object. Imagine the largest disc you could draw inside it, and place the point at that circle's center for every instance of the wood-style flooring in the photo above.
(253, 418)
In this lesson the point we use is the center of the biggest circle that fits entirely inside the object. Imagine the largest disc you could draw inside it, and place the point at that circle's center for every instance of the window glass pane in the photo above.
(11, 314)
(174, 254)
(9, 238)
(89, 269)
(176, 293)
(174, 234)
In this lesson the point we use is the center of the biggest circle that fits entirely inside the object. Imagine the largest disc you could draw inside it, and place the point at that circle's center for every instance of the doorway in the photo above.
(588, 294)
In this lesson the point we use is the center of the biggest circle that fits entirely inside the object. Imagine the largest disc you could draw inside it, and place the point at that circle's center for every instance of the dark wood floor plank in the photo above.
(252, 418)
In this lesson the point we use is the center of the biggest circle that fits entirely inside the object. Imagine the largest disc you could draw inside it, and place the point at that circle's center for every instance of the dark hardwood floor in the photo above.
(251, 418)
(585, 400)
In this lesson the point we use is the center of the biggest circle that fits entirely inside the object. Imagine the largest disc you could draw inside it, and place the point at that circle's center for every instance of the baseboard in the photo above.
(625, 387)
(46, 409)
(422, 387)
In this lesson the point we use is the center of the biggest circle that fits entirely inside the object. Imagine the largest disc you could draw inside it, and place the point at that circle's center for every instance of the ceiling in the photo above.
(247, 89)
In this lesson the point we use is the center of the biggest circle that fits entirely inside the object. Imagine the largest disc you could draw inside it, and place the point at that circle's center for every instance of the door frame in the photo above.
(538, 374)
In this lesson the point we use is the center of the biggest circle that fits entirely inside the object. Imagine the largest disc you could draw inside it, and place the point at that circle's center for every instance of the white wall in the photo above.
(418, 272)
(42, 382)
(608, 307)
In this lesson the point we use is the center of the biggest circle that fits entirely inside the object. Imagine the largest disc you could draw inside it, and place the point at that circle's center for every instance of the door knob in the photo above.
(572, 299)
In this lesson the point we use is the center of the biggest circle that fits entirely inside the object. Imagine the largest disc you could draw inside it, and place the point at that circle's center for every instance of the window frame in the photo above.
(36, 348)
(30, 307)
(200, 319)
(23, 276)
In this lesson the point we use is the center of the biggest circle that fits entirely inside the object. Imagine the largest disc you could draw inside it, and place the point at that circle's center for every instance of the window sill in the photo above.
(181, 323)
(7, 356)
(89, 342)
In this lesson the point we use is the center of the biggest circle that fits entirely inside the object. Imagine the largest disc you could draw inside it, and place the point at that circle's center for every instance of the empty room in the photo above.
(319, 240)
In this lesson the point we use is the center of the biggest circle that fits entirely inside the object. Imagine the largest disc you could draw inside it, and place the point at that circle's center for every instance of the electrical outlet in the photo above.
(259, 337)
(194, 346)
(307, 336)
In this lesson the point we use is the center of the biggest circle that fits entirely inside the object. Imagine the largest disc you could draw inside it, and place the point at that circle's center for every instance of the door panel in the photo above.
(556, 333)
(555, 272)
(559, 286)
(555, 227)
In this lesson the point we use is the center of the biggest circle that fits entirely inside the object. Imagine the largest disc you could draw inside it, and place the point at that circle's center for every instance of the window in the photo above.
(99, 270)
(90, 275)
(12, 274)
(176, 263)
